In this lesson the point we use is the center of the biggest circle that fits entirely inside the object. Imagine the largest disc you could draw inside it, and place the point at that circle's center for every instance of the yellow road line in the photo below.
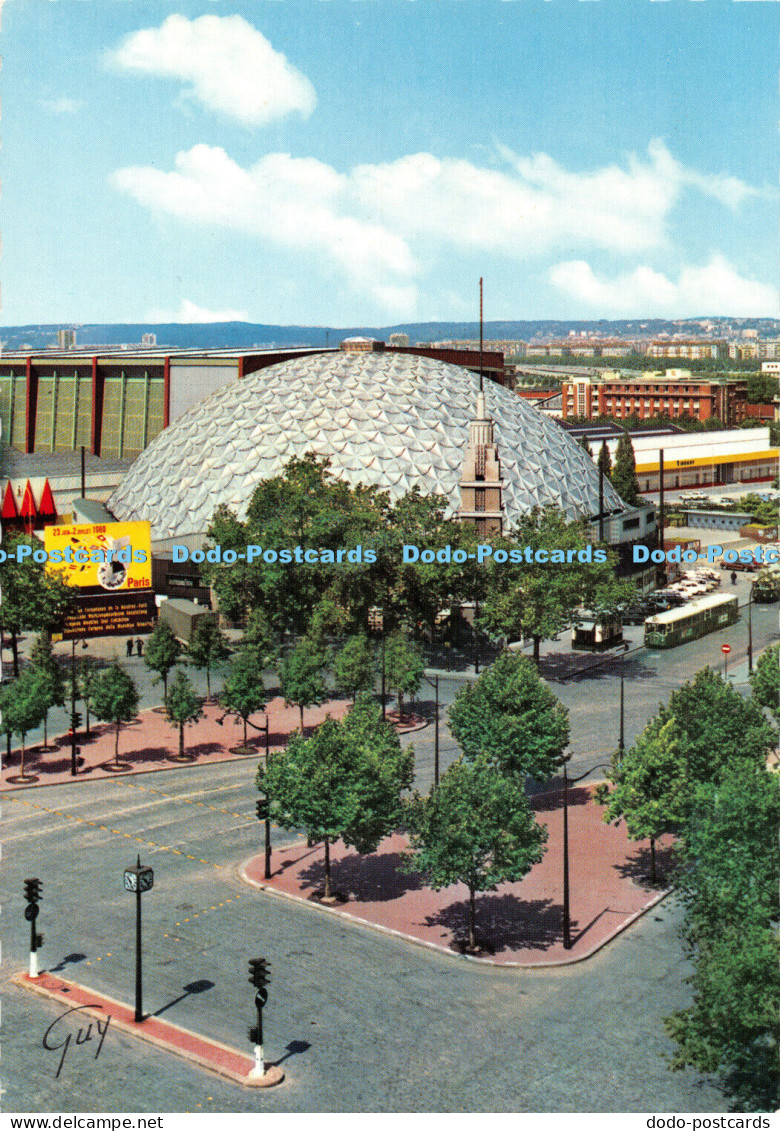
(104, 828)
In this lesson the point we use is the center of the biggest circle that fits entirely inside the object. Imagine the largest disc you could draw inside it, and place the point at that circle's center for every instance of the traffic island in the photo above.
(151, 743)
(519, 924)
(111, 1014)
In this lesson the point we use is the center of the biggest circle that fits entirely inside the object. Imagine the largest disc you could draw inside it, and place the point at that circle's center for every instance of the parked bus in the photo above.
(697, 618)
(766, 588)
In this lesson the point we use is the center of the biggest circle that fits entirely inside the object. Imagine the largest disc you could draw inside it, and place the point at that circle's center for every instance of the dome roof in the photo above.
(383, 419)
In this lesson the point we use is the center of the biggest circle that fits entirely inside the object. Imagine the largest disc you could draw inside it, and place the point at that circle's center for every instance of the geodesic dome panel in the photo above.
(382, 419)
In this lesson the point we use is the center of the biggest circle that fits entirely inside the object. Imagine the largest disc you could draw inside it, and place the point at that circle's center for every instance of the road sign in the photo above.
(725, 649)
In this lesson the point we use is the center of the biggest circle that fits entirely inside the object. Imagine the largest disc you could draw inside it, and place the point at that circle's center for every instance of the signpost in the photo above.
(725, 649)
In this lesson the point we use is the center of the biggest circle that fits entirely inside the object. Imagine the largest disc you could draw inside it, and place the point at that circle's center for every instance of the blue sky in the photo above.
(365, 161)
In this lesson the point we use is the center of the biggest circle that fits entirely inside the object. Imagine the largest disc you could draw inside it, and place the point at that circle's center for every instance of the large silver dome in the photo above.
(384, 419)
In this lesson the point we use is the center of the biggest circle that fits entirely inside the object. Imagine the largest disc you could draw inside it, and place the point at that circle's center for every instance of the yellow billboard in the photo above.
(113, 557)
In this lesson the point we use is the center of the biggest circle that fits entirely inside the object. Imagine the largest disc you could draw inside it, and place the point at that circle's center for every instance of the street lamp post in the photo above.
(139, 878)
(434, 682)
(750, 629)
(567, 943)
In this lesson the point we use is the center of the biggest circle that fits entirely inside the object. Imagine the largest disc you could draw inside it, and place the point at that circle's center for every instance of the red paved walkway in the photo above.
(208, 1054)
(152, 743)
(521, 922)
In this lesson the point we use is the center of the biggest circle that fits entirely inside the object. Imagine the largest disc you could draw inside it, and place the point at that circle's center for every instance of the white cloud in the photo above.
(297, 203)
(189, 312)
(62, 105)
(228, 65)
(715, 289)
(379, 224)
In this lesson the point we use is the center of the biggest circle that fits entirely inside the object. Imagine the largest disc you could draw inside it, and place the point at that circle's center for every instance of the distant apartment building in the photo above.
(583, 347)
(674, 393)
(398, 339)
(66, 339)
(695, 349)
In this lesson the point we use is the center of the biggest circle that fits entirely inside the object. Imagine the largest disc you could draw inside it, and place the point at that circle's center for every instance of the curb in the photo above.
(274, 1075)
(487, 962)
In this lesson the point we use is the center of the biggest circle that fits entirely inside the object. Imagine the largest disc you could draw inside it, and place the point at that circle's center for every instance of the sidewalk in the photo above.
(150, 742)
(519, 924)
(108, 1013)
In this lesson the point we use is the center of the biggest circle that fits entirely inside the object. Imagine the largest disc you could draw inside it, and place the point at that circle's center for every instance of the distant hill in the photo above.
(248, 335)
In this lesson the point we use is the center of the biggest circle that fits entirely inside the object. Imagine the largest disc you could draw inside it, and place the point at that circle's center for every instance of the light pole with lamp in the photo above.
(750, 628)
(566, 894)
(73, 716)
(139, 878)
(434, 683)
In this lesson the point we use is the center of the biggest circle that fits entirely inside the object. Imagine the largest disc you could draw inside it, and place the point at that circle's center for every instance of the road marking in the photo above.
(103, 828)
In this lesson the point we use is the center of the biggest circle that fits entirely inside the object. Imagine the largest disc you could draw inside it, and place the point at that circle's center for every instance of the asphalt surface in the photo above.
(361, 1022)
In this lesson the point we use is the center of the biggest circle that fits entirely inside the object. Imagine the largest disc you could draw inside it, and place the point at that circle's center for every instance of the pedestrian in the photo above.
(733, 577)
(130, 646)
(139, 647)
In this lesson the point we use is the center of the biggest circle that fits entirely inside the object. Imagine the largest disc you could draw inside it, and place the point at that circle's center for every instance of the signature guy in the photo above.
(58, 1036)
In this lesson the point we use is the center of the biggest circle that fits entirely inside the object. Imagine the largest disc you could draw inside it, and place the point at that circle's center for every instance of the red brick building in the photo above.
(675, 393)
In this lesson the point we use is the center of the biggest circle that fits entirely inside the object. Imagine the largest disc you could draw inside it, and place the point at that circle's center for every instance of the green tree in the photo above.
(729, 860)
(511, 715)
(302, 675)
(765, 680)
(604, 461)
(476, 828)
(208, 647)
(346, 781)
(583, 442)
(182, 705)
(650, 788)
(22, 707)
(354, 666)
(732, 1028)
(244, 693)
(728, 852)
(624, 478)
(162, 653)
(716, 726)
(51, 682)
(404, 668)
(555, 576)
(33, 599)
(115, 700)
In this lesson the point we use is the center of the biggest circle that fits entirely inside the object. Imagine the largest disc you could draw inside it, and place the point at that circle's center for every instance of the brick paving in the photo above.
(519, 924)
(203, 1051)
(150, 742)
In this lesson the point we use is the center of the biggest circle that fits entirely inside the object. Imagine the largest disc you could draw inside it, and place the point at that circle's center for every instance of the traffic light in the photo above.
(32, 890)
(258, 972)
(262, 809)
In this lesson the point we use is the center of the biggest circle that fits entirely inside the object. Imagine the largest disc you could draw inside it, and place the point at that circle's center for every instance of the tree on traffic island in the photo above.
(208, 647)
(182, 705)
(354, 666)
(162, 653)
(22, 707)
(50, 680)
(243, 693)
(511, 715)
(115, 700)
(476, 828)
(650, 788)
(345, 781)
(302, 676)
(404, 668)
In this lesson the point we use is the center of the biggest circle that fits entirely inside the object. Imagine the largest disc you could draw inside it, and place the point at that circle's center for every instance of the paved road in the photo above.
(365, 1022)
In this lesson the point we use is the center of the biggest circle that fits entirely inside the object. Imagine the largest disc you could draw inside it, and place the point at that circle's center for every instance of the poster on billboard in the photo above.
(104, 557)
